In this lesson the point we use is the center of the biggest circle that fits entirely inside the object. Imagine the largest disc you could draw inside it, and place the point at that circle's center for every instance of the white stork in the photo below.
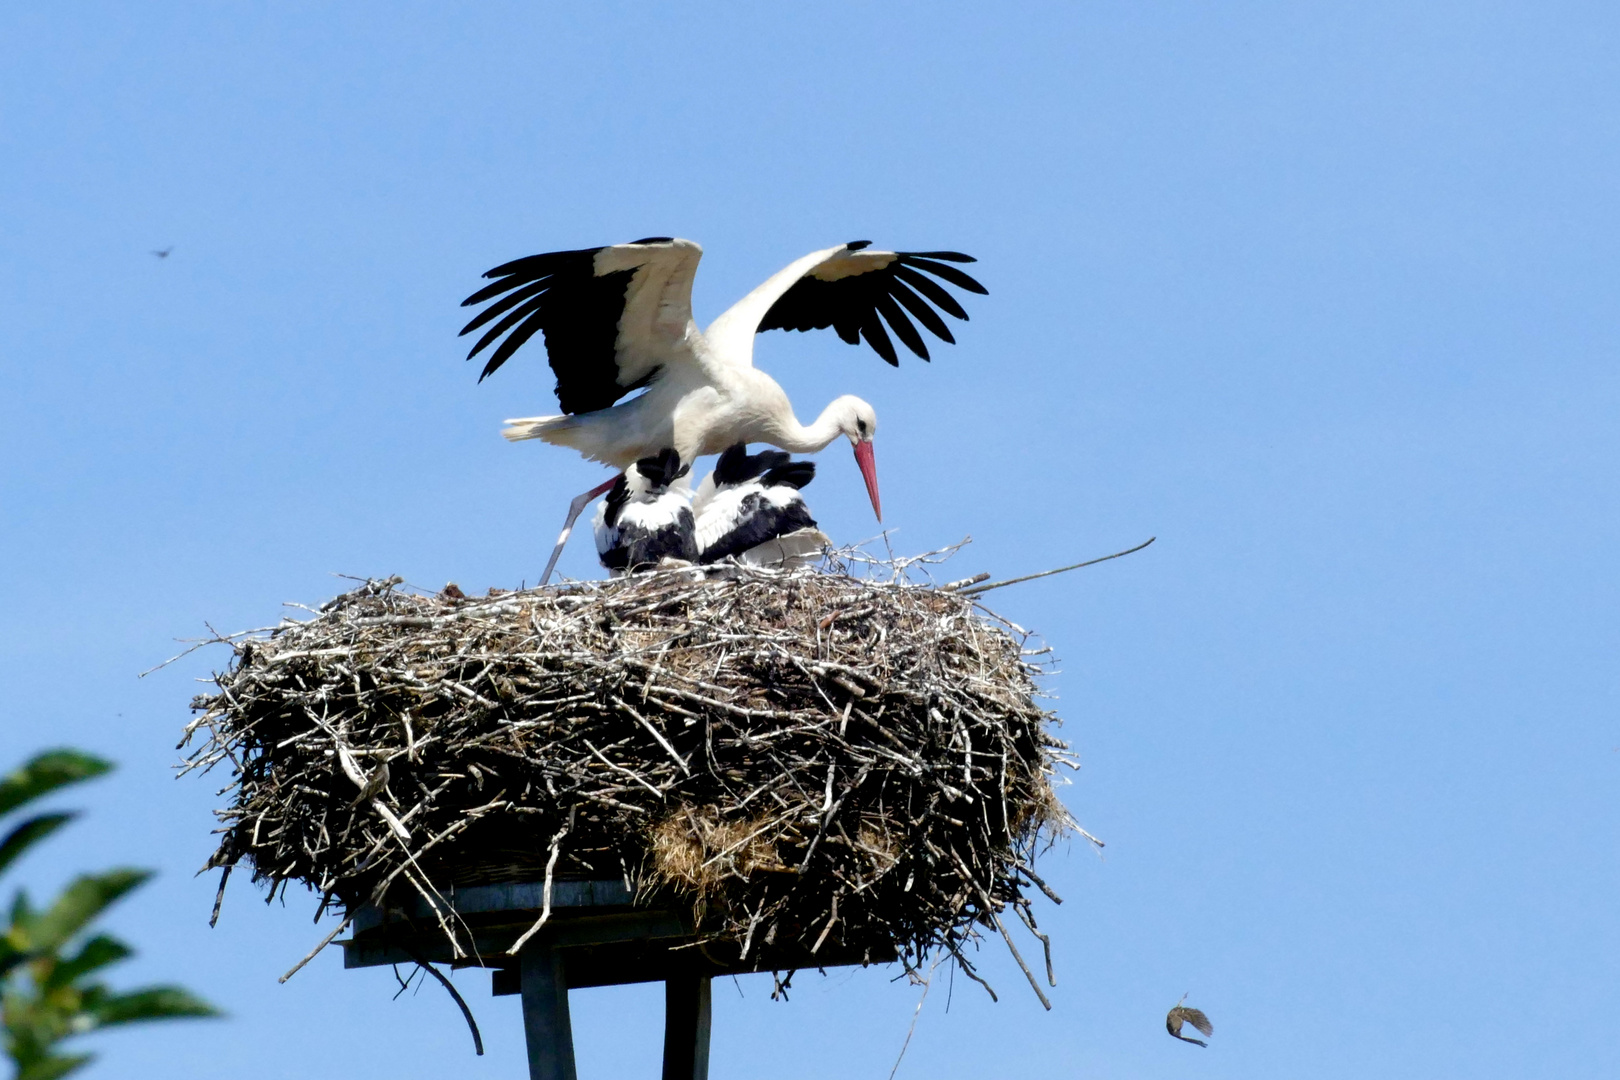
(619, 319)
(753, 499)
(647, 516)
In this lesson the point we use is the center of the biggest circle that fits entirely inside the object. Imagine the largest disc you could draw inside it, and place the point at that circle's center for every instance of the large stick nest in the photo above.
(800, 756)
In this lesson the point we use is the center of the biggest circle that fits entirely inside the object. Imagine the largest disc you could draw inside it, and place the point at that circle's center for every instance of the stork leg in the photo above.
(575, 508)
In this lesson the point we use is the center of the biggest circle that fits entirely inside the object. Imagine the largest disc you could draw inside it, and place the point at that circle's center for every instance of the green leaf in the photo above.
(87, 897)
(97, 953)
(13, 943)
(29, 833)
(46, 995)
(52, 1066)
(150, 1003)
(45, 773)
(21, 912)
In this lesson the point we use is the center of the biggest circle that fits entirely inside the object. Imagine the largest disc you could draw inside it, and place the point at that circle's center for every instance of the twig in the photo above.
(915, 1015)
(200, 643)
(1046, 942)
(952, 586)
(219, 897)
(325, 941)
(466, 1013)
(545, 906)
(1028, 974)
(1039, 884)
(968, 970)
(825, 930)
(642, 720)
(1060, 570)
(621, 769)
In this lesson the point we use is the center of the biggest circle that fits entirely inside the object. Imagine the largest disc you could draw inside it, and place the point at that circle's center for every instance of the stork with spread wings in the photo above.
(619, 319)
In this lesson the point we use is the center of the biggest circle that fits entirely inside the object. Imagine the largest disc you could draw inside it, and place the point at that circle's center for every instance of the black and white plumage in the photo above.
(619, 319)
(850, 299)
(647, 516)
(752, 499)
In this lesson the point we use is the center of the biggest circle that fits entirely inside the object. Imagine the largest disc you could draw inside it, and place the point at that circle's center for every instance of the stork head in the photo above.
(858, 422)
(654, 475)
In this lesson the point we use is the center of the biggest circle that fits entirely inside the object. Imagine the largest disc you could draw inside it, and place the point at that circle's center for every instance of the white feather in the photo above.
(721, 512)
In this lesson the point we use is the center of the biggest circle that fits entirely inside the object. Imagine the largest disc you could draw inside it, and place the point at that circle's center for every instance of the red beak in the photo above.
(868, 464)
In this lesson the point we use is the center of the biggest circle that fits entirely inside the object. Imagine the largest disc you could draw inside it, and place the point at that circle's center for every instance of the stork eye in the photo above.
(860, 426)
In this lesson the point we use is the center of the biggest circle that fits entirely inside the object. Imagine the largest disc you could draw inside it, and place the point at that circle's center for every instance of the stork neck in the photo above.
(796, 438)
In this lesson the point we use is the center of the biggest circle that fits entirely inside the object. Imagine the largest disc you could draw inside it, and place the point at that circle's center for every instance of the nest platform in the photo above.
(755, 770)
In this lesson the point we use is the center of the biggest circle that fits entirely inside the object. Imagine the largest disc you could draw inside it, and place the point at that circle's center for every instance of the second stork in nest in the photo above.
(752, 508)
(647, 516)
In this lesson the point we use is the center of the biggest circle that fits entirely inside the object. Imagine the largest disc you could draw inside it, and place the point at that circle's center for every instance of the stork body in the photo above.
(752, 499)
(647, 516)
(698, 418)
(619, 319)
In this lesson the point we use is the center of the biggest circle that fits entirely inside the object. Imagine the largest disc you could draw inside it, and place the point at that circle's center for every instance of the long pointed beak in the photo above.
(868, 464)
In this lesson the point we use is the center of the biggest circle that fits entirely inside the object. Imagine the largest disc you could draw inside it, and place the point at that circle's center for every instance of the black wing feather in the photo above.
(737, 465)
(901, 325)
(617, 496)
(636, 548)
(663, 468)
(848, 330)
(877, 337)
(949, 273)
(559, 293)
(505, 303)
(531, 266)
(932, 290)
(504, 284)
(793, 474)
(505, 349)
(920, 310)
(809, 305)
(521, 312)
(859, 305)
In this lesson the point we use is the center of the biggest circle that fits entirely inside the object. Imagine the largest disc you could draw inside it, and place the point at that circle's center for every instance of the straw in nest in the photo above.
(801, 756)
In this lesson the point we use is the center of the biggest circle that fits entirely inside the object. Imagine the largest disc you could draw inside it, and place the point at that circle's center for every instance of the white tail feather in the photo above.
(532, 427)
(793, 550)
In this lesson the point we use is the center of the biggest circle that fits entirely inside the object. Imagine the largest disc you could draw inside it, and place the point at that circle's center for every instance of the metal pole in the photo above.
(686, 1027)
(546, 1027)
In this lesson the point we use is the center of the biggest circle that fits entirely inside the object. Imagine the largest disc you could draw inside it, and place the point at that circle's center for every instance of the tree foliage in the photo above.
(48, 955)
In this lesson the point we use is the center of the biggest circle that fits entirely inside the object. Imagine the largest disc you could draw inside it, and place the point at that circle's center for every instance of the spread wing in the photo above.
(613, 317)
(857, 291)
(736, 465)
(1186, 1014)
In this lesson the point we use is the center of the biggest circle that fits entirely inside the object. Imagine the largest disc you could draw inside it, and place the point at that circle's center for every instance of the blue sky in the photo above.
(1322, 295)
